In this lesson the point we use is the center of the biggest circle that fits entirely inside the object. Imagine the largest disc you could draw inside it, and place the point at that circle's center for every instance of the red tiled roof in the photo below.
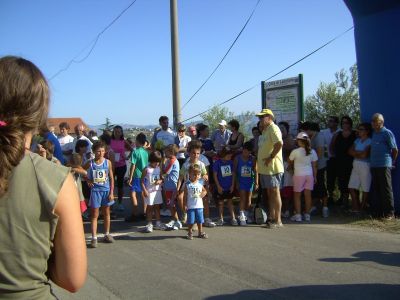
(72, 122)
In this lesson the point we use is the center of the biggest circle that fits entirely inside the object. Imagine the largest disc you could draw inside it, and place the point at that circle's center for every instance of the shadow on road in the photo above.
(350, 292)
(383, 258)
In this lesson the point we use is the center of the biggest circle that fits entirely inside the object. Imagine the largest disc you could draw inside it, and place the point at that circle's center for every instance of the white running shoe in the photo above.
(160, 226)
(296, 218)
(220, 222)
(209, 223)
(177, 225)
(234, 222)
(148, 228)
(170, 224)
(307, 217)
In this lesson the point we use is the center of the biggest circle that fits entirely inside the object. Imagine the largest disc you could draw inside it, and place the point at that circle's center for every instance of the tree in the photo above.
(215, 115)
(339, 98)
(107, 125)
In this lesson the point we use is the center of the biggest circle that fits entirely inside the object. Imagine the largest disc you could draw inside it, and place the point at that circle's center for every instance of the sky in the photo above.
(127, 77)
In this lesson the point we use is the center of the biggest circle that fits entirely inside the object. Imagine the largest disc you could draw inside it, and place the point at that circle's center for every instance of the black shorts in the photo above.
(320, 187)
(226, 195)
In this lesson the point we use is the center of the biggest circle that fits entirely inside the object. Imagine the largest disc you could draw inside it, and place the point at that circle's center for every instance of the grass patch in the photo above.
(392, 226)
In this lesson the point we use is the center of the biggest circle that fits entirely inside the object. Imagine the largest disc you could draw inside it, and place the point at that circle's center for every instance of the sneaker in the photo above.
(220, 222)
(177, 225)
(184, 218)
(242, 221)
(170, 225)
(307, 217)
(313, 210)
(234, 222)
(160, 226)
(108, 238)
(296, 218)
(286, 214)
(209, 223)
(202, 235)
(93, 243)
(249, 220)
(270, 225)
(148, 228)
(325, 212)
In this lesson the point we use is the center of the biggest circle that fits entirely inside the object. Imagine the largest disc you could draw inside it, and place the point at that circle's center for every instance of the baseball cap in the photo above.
(302, 136)
(223, 123)
(265, 112)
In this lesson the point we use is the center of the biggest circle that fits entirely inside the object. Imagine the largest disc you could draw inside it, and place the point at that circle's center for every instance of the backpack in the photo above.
(260, 216)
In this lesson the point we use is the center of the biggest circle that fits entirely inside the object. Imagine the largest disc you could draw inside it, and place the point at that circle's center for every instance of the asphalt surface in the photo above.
(320, 260)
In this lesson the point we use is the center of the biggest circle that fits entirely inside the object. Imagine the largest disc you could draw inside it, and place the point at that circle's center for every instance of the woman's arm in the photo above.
(68, 268)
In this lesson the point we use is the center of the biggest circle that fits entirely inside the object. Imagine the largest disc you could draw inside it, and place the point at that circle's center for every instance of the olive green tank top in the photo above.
(27, 227)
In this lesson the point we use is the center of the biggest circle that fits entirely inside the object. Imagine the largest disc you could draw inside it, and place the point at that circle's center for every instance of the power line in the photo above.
(94, 43)
(223, 58)
(288, 67)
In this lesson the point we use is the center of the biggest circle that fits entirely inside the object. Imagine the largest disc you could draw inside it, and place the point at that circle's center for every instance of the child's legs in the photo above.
(94, 215)
(106, 218)
(231, 208)
(149, 213)
(156, 209)
(297, 202)
(355, 200)
(191, 217)
(180, 201)
(206, 202)
(199, 214)
(221, 207)
(134, 203)
(307, 200)
(243, 205)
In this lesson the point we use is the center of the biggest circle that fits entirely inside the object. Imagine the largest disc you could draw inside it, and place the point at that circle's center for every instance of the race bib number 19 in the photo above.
(99, 176)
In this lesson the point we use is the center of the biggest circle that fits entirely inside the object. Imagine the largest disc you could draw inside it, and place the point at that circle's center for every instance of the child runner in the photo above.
(171, 176)
(151, 188)
(224, 180)
(247, 180)
(139, 160)
(194, 159)
(305, 175)
(101, 181)
(194, 192)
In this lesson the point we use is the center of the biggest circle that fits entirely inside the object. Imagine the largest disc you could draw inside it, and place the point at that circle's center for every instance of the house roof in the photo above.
(72, 122)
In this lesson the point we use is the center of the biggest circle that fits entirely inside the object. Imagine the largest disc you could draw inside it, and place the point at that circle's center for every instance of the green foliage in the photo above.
(107, 125)
(337, 98)
(218, 113)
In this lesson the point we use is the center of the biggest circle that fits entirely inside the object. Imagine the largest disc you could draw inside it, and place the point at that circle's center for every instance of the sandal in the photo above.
(189, 236)
(202, 235)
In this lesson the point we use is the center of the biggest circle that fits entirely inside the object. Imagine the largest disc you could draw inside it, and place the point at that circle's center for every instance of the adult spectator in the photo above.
(93, 136)
(360, 178)
(164, 136)
(270, 165)
(236, 139)
(220, 137)
(66, 141)
(254, 141)
(118, 145)
(331, 165)
(340, 146)
(41, 231)
(319, 193)
(80, 135)
(383, 158)
(192, 132)
(182, 141)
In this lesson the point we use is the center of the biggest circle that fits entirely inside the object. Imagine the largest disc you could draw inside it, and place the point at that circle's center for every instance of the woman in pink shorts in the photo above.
(304, 160)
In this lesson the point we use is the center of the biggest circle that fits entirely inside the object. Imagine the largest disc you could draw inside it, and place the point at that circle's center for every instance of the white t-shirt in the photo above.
(166, 136)
(183, 143)
(303, 163)
(194, 199)
(66, 142)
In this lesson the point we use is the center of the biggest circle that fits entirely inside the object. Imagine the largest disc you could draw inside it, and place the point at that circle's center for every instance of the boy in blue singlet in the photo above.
(101, 181)
(245, 167)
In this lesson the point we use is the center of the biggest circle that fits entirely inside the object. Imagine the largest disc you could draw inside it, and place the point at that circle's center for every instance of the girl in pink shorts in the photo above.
(304, 160)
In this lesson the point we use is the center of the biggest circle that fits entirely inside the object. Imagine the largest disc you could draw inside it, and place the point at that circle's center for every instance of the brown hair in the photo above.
(49, 147)
(75, 160)
(172, 148)
(194, 169)
(24, 102)
(194, 145)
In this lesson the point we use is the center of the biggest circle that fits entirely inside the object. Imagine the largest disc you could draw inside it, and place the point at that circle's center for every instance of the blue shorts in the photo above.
(98, 199)
(245, 186)
(271, 181)
(195, 215)
(136, 185)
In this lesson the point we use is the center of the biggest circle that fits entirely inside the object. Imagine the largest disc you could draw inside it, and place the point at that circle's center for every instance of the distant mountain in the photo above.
(98, 128)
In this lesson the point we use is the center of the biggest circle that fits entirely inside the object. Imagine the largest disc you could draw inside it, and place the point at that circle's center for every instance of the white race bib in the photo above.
(100, 176)
(245, 171)
(226, 171)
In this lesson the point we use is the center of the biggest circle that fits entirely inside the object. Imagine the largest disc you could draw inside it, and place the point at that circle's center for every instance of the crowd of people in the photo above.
(183, 172)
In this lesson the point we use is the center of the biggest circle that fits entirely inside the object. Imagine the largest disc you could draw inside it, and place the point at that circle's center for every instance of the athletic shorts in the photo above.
(271, 181)
(303, 182)
(154, 198)
(195, 215)
(98, 199)
(360, 176)
(226, 195)
(168, 199)
(136, 186)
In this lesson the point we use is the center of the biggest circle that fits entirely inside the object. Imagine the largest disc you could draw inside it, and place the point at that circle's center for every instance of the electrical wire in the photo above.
(286, 68)
(93, 43)
(223, 58)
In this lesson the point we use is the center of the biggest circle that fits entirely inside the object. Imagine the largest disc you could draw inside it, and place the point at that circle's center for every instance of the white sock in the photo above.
(94, 237)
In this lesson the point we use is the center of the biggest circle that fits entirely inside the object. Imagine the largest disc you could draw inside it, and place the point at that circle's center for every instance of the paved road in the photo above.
(300, 261)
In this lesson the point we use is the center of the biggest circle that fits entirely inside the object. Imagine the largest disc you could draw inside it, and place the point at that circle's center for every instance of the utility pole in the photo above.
(176, 94)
